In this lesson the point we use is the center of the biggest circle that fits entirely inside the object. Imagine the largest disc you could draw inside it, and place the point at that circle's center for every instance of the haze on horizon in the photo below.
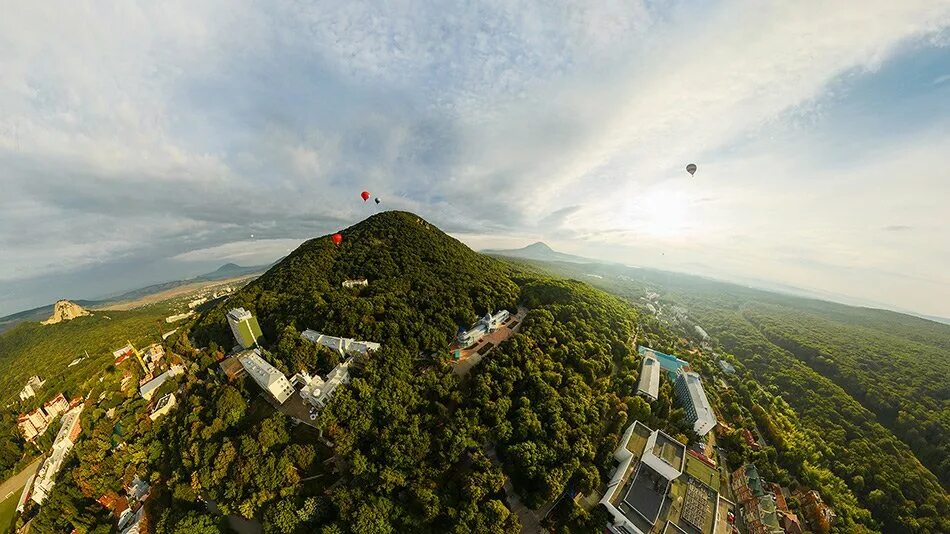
(141, 143)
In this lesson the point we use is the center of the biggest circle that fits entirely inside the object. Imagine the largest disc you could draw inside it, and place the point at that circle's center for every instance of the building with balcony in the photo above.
(699, 413)
(266, 375)
(65, 439)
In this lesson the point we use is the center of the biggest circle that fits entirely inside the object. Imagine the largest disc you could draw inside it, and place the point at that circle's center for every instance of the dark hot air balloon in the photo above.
(365, 195)
(691, 169)
(337, 238)
(377, 201)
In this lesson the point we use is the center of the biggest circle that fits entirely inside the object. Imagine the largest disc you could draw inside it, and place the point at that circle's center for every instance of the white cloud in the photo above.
(176, 129)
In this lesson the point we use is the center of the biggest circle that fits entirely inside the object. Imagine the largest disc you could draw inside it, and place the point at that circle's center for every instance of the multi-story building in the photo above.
(759, 509)
(244, 327)
(56, 406)
(29, 390)
(65, 439)
(266, 375)
(689, 389)
(340, 345)
(316, 390)
(649, 385)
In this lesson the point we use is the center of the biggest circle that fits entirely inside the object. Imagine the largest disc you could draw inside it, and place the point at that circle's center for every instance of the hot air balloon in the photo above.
(377, 201)
(691, 169)
(365, 195)
(337, 238)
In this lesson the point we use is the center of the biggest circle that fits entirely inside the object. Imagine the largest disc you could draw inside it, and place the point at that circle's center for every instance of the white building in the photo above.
(29, 390)
(179, 317)
(25, 494)
(65, 439)
(702, 333)
(649, 385)
(664, 455)
(316, 390)
(149, 388)
(661, 453)
(362, 282)
(689, 389)
(56, 405)
(266, 376)
(341, 345)
(163, 406)
(487, 324)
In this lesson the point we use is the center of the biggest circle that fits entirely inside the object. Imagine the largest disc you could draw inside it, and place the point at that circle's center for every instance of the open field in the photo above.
(7, 512)
(176, 292)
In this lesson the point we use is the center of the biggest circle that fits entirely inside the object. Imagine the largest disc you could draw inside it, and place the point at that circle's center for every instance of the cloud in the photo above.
(897, 228)
(176, 130)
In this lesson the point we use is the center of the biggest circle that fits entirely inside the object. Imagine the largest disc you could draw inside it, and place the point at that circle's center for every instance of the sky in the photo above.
(149, 141)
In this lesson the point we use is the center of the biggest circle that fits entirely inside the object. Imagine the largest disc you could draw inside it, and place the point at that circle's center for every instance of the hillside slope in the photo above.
(869, 384)
(413, 268)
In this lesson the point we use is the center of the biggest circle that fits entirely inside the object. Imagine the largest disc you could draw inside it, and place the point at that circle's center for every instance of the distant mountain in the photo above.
(539, 252)
(226, 271)
(414, 271)
(231, 270)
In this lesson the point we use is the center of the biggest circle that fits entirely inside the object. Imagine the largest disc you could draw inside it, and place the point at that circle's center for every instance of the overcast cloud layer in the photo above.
(146, 142)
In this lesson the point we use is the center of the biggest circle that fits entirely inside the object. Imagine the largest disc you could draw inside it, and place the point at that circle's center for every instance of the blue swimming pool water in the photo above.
(670, 363)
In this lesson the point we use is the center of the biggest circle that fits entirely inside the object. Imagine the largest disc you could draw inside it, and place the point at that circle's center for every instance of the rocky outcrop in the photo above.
(64, 310)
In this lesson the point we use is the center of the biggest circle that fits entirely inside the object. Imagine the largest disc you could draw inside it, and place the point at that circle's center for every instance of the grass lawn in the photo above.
(8, 511)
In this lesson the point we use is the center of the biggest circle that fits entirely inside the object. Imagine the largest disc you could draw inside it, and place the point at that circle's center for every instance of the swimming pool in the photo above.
(670, 363)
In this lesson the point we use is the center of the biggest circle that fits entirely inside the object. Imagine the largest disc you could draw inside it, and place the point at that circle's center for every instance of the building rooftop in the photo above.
(668, 449)
(649, 384)
(697, 395)
(700, 471)
(646, 493)
(266, 375)
(343, 345)
(239, 314)
(148, 389)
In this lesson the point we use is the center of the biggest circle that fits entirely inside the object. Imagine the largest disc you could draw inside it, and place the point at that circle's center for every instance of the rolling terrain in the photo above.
(871, 384)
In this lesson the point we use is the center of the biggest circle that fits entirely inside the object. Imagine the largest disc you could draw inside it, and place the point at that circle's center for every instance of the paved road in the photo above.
(17, 481)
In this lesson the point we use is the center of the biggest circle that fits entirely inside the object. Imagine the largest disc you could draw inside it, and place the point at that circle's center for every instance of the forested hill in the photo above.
(423, 285)
(868, 388)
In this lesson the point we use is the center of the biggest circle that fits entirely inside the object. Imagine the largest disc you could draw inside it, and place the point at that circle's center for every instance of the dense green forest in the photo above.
(414, 446)
(409, 446)
(46, 350)
(825, 360)
(423, 285)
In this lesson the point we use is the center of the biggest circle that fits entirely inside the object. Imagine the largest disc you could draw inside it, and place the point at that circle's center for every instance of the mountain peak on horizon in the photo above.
(539, 246)
(539, 251)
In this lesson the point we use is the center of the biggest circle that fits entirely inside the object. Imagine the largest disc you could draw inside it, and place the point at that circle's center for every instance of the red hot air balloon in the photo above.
(365, 195)
(337, 238)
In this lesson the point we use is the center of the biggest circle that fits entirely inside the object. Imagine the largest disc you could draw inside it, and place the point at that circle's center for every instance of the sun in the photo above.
(662, 213)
